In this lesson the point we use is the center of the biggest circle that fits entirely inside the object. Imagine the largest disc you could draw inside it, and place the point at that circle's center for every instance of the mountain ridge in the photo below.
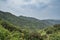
(27, 22)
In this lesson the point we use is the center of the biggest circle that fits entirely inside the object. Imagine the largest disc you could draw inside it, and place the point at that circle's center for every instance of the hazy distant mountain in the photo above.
(52, 21)
(26, 22)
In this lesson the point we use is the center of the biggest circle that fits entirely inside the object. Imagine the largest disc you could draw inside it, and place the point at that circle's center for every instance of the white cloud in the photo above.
(23, 2)
(35, 8)
(18, 3)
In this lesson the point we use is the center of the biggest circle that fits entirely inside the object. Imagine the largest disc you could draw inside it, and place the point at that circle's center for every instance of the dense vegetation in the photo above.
(24, 22)
(10, 32)
(14, 28)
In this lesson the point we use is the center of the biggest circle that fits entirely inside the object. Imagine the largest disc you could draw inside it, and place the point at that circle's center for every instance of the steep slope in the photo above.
(47, 22)
(27, 22)
(8, 31)
(24, 22)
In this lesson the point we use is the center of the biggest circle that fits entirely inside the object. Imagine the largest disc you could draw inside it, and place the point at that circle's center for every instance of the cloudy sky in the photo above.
(40, 9)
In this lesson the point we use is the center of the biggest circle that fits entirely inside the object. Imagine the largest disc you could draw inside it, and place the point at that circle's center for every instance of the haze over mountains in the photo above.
(27, 22)
(40, 9)
(27, 28)
(29, 19)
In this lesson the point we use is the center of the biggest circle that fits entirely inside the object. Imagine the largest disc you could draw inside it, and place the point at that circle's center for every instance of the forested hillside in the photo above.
(26, 28)
(25, 22)
(10, 32)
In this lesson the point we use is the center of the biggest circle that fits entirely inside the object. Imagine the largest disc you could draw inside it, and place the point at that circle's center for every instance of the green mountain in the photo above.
(52, 21)
(17, 28)
(24, 22)
(9, 31)
(27, 22)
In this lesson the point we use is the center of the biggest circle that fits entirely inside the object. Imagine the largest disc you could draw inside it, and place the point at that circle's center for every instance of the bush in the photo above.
(3, 33)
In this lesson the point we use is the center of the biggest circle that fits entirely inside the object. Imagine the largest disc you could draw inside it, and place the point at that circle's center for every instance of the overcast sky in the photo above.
(40, 9)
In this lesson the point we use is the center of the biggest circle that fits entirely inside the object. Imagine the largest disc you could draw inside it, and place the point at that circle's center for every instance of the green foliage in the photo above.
(55, 36)
(9, 29)
(22, 21)
(10, 32)
(3, 33)
(57, 26)
(13, 36)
